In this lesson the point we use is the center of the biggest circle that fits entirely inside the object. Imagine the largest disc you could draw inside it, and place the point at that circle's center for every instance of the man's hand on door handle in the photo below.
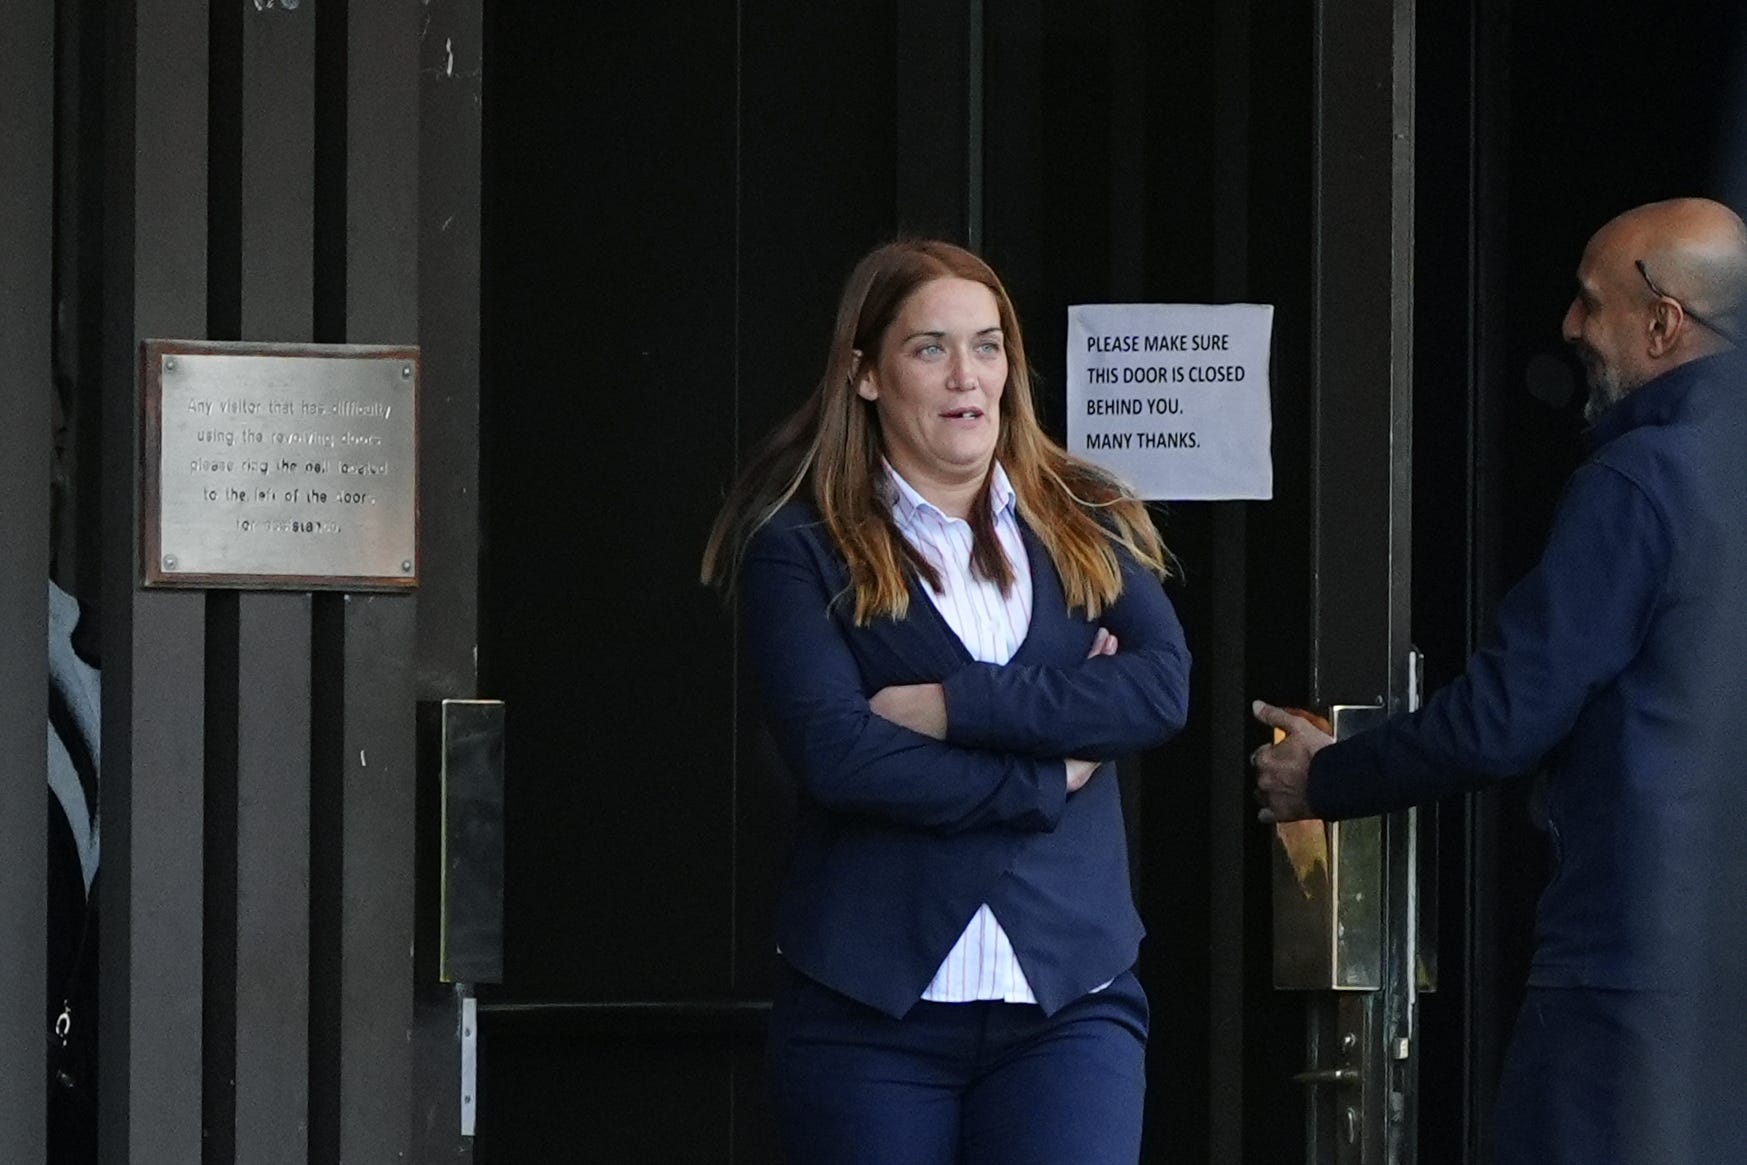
(1283, 768)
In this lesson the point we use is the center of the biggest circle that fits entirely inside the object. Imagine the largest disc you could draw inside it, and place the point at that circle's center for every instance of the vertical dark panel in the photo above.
(259, 794)
(327, 868)
(1013, 153)
(268, 809)
(1277, 616)
(26, 218)
(1126, 125)
(450, 59)
(219, 1092)
(78, 172)
(1457, 1038)
(361, 1027)
(615, 282)
(939, 122)
(327, 875)
(375, 909)
(257, 877)
(155, 285)
(360, 878)
(1495, 918)
(1362, 411)
(276, 217)
(382, 170)
(1361, 438)
(608, 420)
(1228, 647)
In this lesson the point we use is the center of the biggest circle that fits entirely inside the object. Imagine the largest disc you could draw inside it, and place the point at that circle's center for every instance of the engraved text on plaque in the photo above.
(281, 465)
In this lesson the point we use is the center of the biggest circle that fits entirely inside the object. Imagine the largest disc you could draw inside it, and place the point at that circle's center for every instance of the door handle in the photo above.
(1328, 1076)
(463, 878)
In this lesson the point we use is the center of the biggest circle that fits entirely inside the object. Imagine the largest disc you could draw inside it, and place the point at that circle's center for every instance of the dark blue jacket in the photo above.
(1603, 671)
(901, 837)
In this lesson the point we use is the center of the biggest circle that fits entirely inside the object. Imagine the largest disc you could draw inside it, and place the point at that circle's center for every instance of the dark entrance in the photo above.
(668, 210)
(668, 206)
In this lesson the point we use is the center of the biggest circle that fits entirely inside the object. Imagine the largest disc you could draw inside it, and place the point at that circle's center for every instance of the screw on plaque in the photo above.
(406, 566)
(169, 562)
(406, 371)
(169, 364)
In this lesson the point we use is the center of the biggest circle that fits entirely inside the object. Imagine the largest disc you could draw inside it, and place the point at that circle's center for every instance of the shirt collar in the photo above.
(907, 503)
(1656, 401)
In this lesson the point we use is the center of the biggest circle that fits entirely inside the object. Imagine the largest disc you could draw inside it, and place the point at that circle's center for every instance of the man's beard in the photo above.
(1605, 391)
(1606, 386)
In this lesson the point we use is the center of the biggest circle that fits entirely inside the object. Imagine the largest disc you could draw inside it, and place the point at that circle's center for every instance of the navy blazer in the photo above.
(901, 837)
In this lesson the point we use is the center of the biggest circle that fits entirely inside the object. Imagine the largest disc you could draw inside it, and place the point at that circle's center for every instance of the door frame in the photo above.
(27, 102)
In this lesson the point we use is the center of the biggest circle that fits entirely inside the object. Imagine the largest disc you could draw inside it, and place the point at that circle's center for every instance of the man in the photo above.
(1613, 667)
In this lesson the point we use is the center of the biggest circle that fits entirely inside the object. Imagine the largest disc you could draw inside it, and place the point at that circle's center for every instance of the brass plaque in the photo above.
(290, 466)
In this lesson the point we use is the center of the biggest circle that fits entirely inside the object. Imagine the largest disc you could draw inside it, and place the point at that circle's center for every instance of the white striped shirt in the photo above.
(981, 965)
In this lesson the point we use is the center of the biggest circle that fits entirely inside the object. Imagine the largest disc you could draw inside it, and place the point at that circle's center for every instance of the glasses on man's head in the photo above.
(1701, 321)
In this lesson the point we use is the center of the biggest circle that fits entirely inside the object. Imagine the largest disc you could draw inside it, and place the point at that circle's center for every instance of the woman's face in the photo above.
(936, 382)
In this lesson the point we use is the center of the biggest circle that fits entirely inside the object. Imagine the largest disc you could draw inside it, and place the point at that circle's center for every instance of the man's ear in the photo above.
(1667, 321)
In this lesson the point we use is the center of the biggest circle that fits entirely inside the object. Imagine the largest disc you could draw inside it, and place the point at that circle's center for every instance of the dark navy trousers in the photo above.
(958, 1083)
(1599, 1077)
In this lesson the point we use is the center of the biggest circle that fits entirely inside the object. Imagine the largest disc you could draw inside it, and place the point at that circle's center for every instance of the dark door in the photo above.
(661, 260)
(669, 207)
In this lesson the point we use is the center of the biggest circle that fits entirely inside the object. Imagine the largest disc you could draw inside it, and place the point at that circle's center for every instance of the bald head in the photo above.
(1695, 250)
(1660, 285)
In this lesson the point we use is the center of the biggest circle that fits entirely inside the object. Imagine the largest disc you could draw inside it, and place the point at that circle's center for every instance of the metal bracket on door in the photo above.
(469, 1065)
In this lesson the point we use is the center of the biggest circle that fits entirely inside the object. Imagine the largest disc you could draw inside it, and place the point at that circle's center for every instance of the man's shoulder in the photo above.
(1666, 456)
(1655, 457)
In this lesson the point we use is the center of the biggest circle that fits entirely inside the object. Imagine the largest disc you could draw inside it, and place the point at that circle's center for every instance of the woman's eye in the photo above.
(929, 350)
(989, 348)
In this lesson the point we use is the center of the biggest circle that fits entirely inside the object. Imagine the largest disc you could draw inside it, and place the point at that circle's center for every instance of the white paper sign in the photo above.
(1173, 397)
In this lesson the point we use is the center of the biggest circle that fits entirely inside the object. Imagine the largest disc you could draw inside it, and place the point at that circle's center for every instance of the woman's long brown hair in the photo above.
(831, 447)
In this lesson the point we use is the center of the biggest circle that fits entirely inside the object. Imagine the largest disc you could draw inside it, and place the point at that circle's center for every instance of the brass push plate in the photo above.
(1328, 891)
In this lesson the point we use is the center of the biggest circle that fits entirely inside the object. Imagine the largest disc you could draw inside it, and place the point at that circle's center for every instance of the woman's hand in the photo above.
(1080, 771)
(918, 707)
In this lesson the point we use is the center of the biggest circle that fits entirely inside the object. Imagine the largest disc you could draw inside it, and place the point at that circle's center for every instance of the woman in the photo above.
(953, 624)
